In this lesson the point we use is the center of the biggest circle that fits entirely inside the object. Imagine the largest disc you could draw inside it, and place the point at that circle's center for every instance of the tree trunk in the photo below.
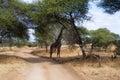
(41, 45)
(81, 45)
(91, 50)
(46, 46)
(10, 42)
(83, 51)
(72, 23)
(106, 47)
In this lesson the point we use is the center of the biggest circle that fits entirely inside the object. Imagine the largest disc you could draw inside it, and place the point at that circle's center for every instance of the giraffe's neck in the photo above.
(60, 34)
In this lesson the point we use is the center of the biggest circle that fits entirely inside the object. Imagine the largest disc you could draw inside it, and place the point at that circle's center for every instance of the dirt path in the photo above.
(42, 69)
(51, 72)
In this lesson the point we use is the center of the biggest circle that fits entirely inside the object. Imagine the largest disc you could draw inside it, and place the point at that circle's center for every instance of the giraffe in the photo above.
(57, 44)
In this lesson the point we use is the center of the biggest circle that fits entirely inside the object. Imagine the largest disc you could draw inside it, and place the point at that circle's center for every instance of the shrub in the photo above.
(117, 50)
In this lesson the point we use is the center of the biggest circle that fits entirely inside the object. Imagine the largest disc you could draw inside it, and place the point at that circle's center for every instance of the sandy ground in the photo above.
(34, 64)
(36, 68)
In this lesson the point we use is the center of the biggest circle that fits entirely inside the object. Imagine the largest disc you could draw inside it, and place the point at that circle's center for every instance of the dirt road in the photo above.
(50, 72)
(41, 69)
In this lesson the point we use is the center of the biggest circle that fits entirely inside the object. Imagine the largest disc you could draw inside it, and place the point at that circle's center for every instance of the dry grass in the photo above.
(9, 63)
(66, 52)
(89, 69)
(12, 64)
(103, 73)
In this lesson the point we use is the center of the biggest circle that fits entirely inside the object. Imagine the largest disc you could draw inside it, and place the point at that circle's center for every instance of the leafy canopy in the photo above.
(110, 6)
(102, 37)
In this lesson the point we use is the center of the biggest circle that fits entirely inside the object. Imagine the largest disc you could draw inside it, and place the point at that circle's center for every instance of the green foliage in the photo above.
(20, 7)
(6, 17)
(117, 44)
(49, 12)
(19, 31)
(85, 35)
(102, 37)
(42, 39)
(45, 14)
(117, 51)
(55, 11)
(83, 31)
(20, 43)
(110, 6)
(71, 37)
(68, 9)
(29, 44)
(9, 25)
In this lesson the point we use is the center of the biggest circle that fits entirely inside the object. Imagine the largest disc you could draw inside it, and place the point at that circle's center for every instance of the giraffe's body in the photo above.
(57, 44)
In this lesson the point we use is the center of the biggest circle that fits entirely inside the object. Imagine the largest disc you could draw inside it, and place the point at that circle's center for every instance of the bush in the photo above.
(117, 50)
(32, 45)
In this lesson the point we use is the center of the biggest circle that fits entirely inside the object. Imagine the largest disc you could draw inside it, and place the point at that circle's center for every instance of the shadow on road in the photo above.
(40, 57)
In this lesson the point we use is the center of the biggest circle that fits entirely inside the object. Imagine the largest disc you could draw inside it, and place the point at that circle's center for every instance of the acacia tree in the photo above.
(85, 34)
(44, 36)
(117, 50)
(112, 6)
(101, 38)
(70, 36)
(64, 11)
(10, 27)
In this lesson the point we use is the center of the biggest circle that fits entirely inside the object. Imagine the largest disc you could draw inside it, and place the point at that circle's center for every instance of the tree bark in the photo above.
(81, 45)
(72, 23)
(46, 46)
(91, 50)
(10, 42)
(41, 45)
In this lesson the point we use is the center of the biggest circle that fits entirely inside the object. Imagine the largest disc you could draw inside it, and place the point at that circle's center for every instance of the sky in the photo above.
(100, 19)
(28, 1)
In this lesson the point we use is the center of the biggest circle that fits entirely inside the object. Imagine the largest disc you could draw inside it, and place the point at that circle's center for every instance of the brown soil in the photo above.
(23, 64)
(34, 64)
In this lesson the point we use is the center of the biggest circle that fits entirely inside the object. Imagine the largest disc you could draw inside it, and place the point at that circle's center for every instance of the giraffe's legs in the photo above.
(50, 55)
(58, 52)
(51, 51)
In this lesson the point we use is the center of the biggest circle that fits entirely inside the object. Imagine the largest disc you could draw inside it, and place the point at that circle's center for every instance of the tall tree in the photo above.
(64, 11)
(102, 38)
(10, 27)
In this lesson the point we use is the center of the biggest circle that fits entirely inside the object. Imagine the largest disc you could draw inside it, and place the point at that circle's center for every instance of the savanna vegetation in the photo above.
(50, 17)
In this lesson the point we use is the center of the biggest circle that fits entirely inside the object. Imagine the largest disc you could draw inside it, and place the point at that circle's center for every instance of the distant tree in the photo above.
(61, 11)
(44, 38)
(70, 36)
(47, 12)
(112, 6)
(117, 44)
(102, 38)
(85, 34)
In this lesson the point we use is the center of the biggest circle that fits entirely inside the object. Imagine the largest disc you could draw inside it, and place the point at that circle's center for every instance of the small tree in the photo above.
(102, 38)
(117, 44)
(44, 40)
(117, 50)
